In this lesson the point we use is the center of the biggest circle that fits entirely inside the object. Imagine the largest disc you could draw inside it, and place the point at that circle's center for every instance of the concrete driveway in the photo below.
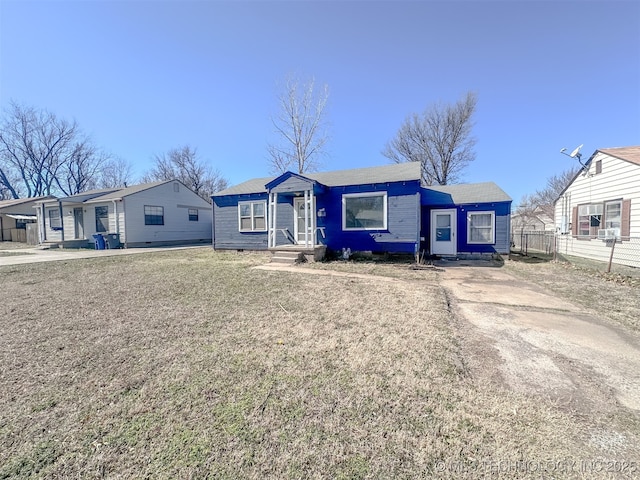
(20, 256)
(541, 344)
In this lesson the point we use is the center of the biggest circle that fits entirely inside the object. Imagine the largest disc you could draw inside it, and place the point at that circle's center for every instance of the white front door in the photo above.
(299, 222)
(443, 232)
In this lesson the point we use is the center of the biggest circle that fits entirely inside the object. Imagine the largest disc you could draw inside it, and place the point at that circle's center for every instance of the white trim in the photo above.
(240, 217)
(385, 210)
(271, 214)
(493, 227)
(449, 247)
(308, 201)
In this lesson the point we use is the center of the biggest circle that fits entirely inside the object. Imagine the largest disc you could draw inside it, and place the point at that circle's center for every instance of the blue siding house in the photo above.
(377, 209)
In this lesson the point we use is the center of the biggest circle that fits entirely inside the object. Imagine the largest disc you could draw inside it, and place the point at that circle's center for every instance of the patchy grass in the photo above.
(190, 364)
(609, 295)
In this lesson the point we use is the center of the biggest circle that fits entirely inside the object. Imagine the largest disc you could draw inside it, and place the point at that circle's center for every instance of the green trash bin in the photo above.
(112, 240)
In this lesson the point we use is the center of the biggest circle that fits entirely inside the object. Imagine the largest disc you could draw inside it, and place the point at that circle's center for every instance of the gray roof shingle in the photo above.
(400, 172)
(466, 193)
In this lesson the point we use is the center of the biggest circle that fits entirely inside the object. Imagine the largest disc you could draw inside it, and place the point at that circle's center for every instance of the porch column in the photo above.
(272, 214)
(306, 218)
(43, 233)
(312, 209)
(61, 220)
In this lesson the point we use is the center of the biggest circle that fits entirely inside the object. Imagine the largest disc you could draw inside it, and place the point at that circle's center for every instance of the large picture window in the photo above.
(153, 215)
(102, 219)
(364, 211)
(252, 216)
(481, 227)
(55, 223)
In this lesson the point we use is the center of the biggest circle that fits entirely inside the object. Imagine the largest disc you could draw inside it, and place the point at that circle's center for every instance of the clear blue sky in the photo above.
(144, 76)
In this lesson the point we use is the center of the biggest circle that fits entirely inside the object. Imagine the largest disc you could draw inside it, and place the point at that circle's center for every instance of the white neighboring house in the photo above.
(15, 215)
(600, 203)
(151, 214)
(537, 221)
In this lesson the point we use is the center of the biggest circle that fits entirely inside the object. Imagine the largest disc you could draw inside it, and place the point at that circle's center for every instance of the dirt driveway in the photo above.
(540, 344)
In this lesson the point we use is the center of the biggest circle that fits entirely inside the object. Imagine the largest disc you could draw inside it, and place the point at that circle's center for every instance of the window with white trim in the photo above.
(481, 227)
(252, 216)
(153, 215)
(613, 216)
(589, 219)
(364, 211)
(55, 223)
(193, 214)
(102, 219)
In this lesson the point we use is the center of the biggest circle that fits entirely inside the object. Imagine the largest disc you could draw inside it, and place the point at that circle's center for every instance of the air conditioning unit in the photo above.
(606, 233)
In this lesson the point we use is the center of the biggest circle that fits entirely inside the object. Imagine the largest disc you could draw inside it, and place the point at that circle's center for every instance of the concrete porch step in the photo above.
(291, 254)
(288, 257)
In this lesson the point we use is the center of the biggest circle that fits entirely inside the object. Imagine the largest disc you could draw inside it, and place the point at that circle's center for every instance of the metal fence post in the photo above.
(613, 246)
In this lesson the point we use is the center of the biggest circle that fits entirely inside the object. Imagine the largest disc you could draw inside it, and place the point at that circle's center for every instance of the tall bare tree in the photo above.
(41, 154)
(116, 173)
(183, 164)
(300, 126)
(11, 187)
(82, 169)
(440, 139)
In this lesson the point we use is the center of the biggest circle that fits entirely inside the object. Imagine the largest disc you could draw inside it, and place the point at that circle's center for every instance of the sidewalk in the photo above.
(20, 256)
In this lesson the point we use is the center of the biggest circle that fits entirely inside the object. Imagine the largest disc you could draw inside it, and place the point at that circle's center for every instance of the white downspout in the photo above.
(115, 213)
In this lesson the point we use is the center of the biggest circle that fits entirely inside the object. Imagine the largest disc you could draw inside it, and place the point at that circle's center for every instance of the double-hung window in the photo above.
(55, 223)
(193, 214)
(252, 216)
(364, 211)
(481, 227)
(613, 216)
(102, 219)
(153, 215)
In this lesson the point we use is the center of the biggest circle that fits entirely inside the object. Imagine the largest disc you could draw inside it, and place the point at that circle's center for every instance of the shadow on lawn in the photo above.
(530, 258)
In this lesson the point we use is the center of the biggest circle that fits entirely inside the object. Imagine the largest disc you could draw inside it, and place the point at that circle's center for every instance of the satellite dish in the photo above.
(563, 150)
(576, 152)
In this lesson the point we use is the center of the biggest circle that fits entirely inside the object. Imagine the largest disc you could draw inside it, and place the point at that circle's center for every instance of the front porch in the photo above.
(292, 217)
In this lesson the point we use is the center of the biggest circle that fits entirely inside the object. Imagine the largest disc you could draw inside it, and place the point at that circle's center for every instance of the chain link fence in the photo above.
(538, 241)
(621, 255)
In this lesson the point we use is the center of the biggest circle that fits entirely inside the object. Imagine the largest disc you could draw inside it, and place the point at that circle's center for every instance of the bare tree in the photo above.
(542, 202)
(9, 188)
(116, 173)
(300, 126)
(41, 154)
(82, 169)
(183, 164)
(440, 139)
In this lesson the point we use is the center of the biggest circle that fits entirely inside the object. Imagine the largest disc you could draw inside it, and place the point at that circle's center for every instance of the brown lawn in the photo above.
(191, 364)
